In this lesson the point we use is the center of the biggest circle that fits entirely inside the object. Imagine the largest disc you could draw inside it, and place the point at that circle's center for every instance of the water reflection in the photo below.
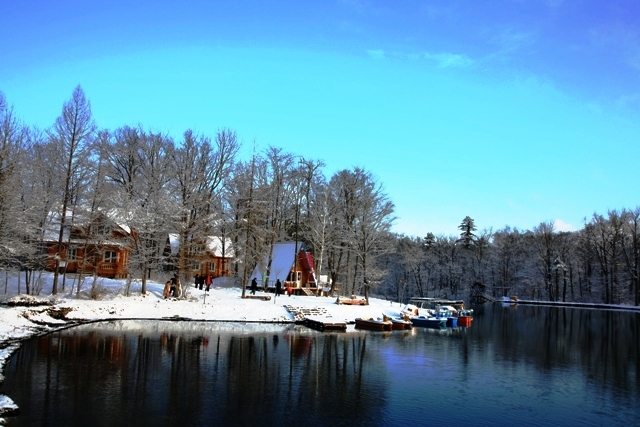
(569, 366)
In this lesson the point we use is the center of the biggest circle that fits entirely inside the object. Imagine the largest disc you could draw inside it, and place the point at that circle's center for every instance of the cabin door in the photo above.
(295, 277)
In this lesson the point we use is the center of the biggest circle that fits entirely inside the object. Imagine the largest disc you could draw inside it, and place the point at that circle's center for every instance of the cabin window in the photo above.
(295, 276)
(100, 230)
(110, 256)
(72, 254)
(212, 266)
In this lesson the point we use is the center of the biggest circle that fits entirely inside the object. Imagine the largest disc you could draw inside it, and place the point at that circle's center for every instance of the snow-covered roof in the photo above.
(214, 245)
(283, 258)
(75, 220)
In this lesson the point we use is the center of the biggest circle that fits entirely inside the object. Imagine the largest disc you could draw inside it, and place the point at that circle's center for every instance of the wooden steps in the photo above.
(307, 292)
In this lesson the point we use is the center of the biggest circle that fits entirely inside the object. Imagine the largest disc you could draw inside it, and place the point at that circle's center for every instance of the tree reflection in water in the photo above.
(550, 363)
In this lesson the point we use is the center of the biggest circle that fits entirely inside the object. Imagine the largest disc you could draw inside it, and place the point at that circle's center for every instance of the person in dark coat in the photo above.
(278, 287)
(172, 286)
(254, 286)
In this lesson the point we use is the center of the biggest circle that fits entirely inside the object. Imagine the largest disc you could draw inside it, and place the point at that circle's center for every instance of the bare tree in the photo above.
(17, 238)
(72, 133)
(362, 226)
(605, 238)
(631, 250)
(200, 167)
(545, 246)
(138, 167)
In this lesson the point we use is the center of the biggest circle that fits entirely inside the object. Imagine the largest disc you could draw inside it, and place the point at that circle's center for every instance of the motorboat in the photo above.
(465, 320)
(374, 324)
(429, 322)
(400, 323)
(450, 316)
(422, 306)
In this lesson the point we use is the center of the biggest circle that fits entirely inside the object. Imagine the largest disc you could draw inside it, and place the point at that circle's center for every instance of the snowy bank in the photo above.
(23, 317)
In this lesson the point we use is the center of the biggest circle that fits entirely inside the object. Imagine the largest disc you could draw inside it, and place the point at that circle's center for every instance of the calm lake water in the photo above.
(525, 365)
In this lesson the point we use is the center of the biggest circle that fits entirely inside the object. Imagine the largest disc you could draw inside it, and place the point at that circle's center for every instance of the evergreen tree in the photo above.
(467, 238)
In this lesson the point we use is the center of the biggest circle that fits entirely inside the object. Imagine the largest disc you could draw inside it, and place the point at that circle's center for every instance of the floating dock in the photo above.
(322, 323)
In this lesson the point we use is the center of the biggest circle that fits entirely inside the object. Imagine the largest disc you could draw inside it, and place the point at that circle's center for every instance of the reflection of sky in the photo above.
(434, 376)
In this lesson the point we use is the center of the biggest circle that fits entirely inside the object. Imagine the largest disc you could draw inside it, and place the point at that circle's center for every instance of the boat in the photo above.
(465, 320)
(512, 300)
(429, 322)
(354, 300)
(450, 316)
(397, 323)
(373, 324)
(422, 306)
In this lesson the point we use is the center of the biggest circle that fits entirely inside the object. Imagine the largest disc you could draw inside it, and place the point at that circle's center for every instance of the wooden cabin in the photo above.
(290, 263)
(209, 257)
(100, 248)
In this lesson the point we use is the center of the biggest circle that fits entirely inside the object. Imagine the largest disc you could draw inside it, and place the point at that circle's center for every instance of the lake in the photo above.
(522, 365)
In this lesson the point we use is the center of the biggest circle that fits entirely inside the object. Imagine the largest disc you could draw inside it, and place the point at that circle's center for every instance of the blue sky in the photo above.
(512, 112)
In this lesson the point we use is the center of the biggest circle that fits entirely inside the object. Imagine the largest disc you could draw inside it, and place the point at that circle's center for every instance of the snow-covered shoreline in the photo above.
(23, 317)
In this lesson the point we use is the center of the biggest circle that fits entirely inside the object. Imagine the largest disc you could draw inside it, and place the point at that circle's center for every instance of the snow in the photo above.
(23, 316)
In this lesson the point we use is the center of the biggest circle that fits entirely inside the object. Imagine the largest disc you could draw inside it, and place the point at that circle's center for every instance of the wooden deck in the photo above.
(325, 323)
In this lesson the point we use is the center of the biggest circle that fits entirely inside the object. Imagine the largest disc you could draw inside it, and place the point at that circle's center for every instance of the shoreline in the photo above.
(24, 317)
(598, 306)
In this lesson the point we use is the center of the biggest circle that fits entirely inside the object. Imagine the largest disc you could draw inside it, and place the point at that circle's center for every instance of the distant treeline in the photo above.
(600, 263)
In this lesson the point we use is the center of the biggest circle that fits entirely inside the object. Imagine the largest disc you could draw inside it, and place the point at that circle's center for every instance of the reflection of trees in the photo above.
(601, 343)
(309, 375)
(207, 376)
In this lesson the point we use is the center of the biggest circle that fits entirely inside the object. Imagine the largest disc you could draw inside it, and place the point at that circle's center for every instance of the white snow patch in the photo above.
(560, 225)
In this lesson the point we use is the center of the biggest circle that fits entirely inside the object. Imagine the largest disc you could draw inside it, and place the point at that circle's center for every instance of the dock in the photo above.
(323, 323)
(570, 304)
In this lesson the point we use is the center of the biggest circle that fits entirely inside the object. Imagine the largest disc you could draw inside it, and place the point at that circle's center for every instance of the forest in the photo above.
(75, 173)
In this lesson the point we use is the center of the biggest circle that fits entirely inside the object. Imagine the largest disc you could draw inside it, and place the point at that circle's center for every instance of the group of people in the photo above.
(173, 287)
(202, 280)
(254, 287)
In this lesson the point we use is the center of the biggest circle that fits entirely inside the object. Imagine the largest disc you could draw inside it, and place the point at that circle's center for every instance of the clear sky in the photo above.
(513, 112)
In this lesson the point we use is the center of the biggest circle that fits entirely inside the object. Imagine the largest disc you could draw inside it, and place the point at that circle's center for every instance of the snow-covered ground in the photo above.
(23, 317)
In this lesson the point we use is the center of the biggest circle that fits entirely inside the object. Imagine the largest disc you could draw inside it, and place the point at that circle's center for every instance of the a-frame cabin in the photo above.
(290, 263)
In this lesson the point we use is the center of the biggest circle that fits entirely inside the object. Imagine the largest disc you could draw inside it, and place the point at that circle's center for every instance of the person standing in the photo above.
(254, 286)
(172, 286)
(208, 281)
(166, 292)
(178, 286)
(278, 287)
